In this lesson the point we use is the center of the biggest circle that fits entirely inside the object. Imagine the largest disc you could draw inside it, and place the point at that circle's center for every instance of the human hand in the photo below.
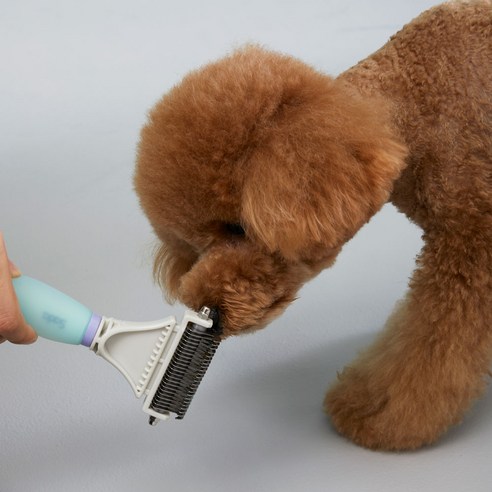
(13, 326)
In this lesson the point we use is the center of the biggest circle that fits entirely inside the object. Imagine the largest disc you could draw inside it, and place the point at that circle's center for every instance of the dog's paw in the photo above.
(384, 415)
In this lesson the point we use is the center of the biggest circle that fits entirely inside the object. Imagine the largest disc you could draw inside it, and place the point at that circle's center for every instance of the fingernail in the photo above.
(14, 271)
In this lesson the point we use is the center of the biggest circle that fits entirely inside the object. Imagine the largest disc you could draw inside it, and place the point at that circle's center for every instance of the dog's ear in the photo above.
(172, 259)
(325, 167)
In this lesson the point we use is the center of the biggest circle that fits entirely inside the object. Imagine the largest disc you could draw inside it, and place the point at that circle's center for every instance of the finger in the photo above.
(2, 339)
(14, 271)
(4, 261)
(28, 336)
(14, 328)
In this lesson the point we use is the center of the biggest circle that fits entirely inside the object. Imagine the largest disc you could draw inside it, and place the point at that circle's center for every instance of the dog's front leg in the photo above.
(432, 359)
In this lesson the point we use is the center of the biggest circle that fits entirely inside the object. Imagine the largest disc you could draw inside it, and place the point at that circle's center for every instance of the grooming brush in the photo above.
(163, 360)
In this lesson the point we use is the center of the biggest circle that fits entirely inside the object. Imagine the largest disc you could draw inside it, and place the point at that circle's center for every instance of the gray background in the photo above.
(77, 79)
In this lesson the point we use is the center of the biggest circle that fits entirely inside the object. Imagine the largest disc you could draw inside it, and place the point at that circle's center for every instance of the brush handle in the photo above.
(53, 314)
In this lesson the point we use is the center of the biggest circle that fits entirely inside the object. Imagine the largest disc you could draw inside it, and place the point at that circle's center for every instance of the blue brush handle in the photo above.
(53, 314)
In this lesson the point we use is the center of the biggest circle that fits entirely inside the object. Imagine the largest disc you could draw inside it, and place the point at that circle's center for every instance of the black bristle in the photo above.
(188, 365)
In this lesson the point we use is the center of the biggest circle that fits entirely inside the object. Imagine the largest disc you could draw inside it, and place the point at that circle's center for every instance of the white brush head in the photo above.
(142, 351)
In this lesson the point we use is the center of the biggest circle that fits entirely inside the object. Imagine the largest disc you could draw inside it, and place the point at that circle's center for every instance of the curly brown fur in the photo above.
(225, 147)
(301, 161)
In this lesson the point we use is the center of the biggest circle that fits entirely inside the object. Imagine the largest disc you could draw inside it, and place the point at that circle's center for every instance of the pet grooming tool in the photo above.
(163, 360)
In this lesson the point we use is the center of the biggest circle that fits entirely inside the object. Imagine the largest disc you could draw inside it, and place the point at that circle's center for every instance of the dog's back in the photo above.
(437, 71)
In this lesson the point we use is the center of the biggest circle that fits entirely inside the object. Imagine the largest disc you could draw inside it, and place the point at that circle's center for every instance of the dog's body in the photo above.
(257, 169)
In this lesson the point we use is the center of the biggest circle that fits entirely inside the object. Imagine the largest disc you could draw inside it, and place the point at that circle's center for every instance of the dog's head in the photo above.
(253, 172)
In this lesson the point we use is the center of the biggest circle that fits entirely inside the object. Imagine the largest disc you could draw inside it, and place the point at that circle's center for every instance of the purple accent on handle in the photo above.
(91, 330)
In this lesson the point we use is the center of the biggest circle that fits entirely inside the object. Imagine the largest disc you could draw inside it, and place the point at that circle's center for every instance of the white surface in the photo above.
(77, 79)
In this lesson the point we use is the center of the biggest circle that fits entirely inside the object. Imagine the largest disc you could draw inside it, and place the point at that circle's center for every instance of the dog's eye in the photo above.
(234, 229)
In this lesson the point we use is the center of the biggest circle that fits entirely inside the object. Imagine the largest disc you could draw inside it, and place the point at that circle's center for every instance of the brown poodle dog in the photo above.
(256, 169)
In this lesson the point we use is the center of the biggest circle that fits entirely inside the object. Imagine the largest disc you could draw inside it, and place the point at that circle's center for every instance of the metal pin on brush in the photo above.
(163, 360)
